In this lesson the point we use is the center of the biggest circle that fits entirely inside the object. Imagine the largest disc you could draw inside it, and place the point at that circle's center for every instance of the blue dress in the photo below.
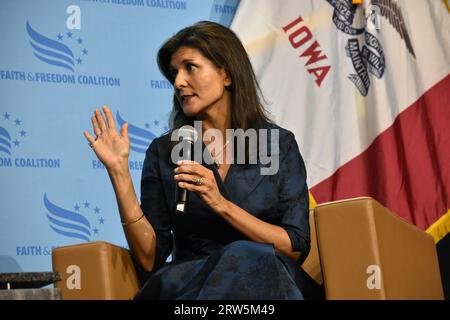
(211, 259)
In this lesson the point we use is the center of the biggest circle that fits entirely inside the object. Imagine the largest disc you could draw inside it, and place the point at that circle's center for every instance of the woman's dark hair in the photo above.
(224, 49)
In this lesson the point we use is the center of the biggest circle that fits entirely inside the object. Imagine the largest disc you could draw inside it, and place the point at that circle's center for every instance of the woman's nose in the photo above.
(180, 80)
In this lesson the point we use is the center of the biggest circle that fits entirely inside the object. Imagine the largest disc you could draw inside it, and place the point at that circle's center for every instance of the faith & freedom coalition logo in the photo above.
(13, 138)
(62, 52)
(140, 139)
(9, 141)
(79, 221)
(83, 221)
(56, 53)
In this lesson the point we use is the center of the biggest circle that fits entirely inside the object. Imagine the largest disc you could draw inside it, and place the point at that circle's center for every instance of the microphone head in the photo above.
(187, 132)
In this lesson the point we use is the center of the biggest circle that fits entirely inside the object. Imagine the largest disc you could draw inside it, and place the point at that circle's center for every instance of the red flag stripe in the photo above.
(407, 167)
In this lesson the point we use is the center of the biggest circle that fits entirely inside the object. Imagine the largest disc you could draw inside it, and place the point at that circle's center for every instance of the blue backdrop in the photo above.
(59, 60)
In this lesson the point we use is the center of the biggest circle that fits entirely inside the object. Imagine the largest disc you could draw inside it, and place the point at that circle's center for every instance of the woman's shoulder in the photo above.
(160, 144)
(285, 136)
(163, 138)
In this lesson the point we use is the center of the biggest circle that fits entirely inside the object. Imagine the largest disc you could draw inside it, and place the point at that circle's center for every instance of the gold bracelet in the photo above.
(131, 222)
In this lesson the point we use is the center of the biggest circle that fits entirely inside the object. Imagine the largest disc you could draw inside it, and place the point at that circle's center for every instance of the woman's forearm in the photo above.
(256, 229)
(140, 234)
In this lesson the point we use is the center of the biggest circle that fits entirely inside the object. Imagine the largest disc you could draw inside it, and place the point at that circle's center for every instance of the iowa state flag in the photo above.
(366, 90)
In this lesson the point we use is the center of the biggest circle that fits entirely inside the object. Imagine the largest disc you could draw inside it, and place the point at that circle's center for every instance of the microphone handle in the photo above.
(183, 194)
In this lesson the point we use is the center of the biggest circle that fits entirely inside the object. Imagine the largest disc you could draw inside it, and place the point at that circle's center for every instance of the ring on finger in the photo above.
(198, 181)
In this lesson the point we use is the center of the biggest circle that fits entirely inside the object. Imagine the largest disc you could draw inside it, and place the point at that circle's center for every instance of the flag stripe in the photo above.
(440, 228)
(407, 167)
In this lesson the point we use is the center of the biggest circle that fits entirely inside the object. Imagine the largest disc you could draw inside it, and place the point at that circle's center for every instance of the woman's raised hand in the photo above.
(111, 147)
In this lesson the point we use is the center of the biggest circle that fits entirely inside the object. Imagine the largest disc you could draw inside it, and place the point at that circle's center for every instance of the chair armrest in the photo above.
(95, 270)
(311, 265)
(357, 236)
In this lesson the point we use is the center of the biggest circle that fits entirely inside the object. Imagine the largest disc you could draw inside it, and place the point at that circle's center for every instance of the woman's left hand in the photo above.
(192, 176)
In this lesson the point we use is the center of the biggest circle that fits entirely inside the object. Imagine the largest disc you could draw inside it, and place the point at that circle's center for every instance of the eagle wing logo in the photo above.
(390, 10)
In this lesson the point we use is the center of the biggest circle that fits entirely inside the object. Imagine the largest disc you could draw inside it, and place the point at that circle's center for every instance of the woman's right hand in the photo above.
(111, 147)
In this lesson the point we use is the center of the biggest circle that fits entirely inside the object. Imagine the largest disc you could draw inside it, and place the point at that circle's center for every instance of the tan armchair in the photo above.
(359, 250)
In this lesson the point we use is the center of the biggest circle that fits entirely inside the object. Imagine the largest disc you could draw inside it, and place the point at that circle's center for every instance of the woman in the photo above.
(244, 235)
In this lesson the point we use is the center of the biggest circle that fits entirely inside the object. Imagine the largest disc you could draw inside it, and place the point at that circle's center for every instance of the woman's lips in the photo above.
(187, 98)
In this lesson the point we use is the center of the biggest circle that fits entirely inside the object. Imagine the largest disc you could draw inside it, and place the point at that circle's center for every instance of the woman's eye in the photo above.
(190, 67)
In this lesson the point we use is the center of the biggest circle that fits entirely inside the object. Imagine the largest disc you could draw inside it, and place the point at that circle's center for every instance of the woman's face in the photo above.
(200, 85)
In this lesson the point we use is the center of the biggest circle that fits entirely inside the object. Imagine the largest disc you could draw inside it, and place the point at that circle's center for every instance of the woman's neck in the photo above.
(218, 118)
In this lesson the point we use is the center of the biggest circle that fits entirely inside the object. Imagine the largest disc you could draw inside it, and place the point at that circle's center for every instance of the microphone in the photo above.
(186, 145)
